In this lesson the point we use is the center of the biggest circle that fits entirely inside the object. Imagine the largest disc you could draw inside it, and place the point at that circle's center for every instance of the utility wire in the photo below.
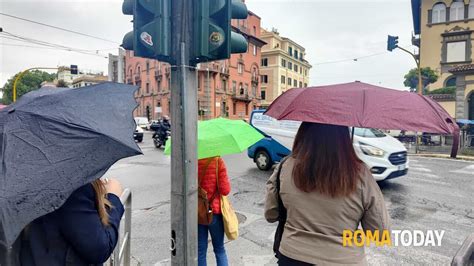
(48, 44)
(58, 28)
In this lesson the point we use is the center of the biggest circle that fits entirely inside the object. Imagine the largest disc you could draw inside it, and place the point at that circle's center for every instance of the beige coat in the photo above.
(315, 223)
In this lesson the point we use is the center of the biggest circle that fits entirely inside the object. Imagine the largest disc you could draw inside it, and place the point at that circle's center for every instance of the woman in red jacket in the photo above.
(208, 168)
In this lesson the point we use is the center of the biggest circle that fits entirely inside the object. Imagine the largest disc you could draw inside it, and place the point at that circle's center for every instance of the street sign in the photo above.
(74, 70)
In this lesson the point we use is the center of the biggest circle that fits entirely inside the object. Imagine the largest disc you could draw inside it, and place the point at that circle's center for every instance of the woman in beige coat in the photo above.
(325, 189)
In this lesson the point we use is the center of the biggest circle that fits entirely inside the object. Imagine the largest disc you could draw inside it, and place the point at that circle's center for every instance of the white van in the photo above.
(384, 155)
(141, 122)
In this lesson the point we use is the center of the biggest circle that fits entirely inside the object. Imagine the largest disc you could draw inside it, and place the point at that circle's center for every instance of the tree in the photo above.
(30, 81)
(445, 90)
(428, 76)
(62, 84)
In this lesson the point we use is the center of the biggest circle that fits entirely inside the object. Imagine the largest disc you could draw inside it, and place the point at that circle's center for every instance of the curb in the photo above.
(444, 156)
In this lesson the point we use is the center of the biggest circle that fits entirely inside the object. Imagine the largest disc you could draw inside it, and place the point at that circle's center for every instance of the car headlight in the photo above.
(371, 150)
(139, 130)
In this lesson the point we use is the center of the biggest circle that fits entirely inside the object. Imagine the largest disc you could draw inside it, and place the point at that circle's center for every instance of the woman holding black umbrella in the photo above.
(325, 190)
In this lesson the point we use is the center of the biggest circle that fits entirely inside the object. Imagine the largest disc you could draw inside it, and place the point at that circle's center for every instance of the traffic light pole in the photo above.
(420, 89)
(184, 137)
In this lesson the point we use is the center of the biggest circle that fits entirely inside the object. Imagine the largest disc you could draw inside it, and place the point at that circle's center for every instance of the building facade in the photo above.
(226, 88)
(283, 66)
(444, 33)
(116, 67)
(87, 80)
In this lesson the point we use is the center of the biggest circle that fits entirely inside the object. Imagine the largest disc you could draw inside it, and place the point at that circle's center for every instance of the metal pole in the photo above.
(184, 138)
(419, 89)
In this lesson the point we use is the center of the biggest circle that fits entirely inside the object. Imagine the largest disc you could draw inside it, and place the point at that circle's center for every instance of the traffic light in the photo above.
(214, 38)
(74, 69)
(392, 43)
(150, 37)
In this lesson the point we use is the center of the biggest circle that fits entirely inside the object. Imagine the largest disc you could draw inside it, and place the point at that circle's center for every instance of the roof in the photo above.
(90, 79)
(442, 97)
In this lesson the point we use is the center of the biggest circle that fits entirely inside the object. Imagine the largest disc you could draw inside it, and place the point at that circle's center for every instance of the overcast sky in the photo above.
(330, 30)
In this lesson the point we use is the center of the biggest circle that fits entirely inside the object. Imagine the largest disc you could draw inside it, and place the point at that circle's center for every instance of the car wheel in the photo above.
(140, 139)
(263, 160)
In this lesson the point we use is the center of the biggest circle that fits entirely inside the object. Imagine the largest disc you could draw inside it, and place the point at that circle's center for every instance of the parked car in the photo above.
(142, 122)
(385, 156)
(138, 134)
(151, 123)
(154, 125)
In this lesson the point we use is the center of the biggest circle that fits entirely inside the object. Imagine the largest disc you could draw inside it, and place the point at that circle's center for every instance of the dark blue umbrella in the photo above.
(55, 140)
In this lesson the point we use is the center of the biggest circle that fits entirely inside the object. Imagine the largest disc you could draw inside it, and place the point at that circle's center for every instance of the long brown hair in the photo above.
(103, 204)
(325, 160)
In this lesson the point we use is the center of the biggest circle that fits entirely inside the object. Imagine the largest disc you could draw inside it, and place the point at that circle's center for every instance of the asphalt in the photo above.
(435, 195)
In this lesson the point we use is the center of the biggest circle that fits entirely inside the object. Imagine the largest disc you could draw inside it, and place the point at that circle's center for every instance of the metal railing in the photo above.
(121, 254)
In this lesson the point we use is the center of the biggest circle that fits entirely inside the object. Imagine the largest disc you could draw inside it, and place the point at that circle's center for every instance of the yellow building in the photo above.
(283, 66)
(444, 33)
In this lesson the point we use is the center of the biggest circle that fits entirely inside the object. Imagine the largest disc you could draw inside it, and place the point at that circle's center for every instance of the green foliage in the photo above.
(61, 83)
(30, 81)
(428, 76)
(445, 90)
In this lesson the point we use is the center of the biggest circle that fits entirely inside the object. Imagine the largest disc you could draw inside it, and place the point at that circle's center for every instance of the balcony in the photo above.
(255, 79)
(129, 81)
(158, 74)
(167, 71)
(242, 97)
(137, 78)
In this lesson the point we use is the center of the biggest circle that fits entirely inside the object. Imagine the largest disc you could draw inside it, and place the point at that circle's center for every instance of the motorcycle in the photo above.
(160, 139)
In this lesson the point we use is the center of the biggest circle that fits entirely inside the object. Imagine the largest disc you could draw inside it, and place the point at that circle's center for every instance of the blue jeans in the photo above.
(216, 228)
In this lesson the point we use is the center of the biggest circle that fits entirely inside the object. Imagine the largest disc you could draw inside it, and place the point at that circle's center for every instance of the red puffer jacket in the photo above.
(208, 181)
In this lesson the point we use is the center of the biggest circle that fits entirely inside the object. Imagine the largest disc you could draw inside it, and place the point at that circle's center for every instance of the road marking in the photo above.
(421, 169)
(466, 170)
(431, 181)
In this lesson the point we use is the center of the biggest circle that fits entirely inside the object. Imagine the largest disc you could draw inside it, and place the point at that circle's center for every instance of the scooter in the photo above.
(160, 139)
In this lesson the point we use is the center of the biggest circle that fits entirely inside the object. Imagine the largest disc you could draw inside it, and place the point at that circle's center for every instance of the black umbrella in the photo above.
(55, 140)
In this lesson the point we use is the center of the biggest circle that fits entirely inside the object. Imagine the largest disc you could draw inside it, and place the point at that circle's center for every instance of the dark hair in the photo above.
(325, 160)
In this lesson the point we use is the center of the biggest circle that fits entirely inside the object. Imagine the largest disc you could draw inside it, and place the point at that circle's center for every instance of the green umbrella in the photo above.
(222, 136)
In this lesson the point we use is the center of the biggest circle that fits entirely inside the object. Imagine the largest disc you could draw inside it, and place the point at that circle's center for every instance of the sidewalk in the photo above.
(443, 156)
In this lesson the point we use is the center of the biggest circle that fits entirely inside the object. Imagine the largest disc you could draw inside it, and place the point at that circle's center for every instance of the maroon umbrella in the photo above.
(363, 105)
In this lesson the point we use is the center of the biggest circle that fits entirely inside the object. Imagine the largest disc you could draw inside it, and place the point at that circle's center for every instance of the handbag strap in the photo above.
(217, 192)
(281, 207)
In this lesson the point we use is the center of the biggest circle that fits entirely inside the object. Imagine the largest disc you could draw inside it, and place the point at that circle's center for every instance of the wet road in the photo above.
(437, 194)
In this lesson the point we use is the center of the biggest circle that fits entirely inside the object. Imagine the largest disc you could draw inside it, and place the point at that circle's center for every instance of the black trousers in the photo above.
(285, 261)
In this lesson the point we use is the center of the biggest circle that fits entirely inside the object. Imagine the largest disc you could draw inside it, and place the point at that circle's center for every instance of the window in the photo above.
(283, 62)
(283, 79)
(234, 108)
(456, 11)
(254, 50)
(247, 109)
(295, 83)
(296, 54)
(246, 89)
(234, 87)
(450, 82)
(241, 88)
(148, 88)
(296, 68)
(224, 84)
(254, 31)
(263, 94)
(301, 84)
(290, 65)
(456, 52)
(147, 67)
(240, 68)
(290, 50)
(438, 14)
(289, 82)
(159, 86)
(306, 85)
(264, 78)
(199, 82)
(471, 9)
(264, 61)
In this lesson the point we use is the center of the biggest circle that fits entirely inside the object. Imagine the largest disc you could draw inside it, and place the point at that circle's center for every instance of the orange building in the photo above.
(226, 88)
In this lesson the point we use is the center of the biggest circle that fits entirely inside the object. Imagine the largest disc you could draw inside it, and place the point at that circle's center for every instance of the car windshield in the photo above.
(368, 133)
